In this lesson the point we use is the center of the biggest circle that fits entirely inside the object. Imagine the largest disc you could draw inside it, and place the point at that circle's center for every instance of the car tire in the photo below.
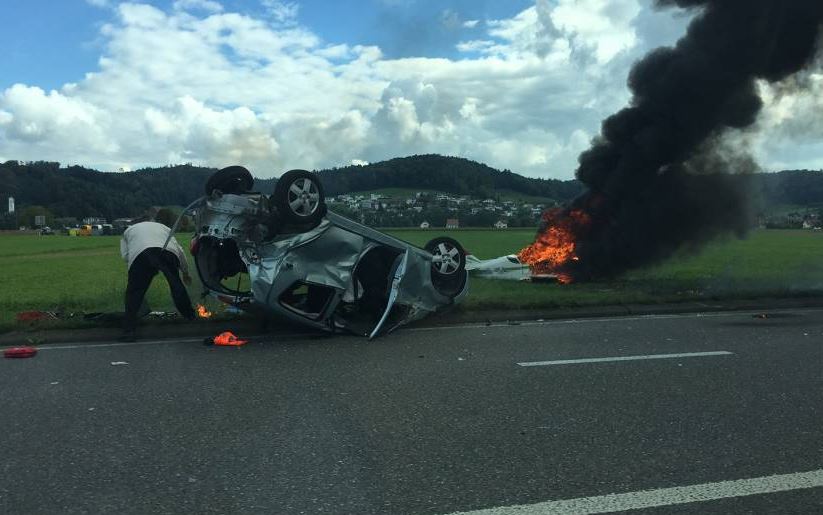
(298, 197)
(449, 275)
(233, 179)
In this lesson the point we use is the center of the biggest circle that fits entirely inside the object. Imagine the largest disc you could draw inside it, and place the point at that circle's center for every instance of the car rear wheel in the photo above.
(233, 179)
(448, 265)
(298, 197)
(449, 258)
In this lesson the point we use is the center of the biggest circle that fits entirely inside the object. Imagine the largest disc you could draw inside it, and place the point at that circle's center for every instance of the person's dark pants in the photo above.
(142, 271)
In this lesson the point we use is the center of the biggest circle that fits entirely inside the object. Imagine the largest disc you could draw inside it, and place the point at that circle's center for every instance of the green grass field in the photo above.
(78, 274)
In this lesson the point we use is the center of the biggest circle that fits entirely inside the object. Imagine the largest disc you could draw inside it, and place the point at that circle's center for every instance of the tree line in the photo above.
(79, 192)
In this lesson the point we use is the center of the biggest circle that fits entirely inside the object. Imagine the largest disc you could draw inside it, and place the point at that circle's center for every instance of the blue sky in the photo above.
(272, 84)
(50, 43)
(58, 42)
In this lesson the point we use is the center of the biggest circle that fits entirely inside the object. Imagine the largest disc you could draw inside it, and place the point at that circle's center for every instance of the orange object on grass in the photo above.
(202, 312)
(228, 338)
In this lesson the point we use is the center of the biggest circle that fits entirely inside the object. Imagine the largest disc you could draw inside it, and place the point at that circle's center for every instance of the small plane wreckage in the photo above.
(508, 267)
(312, 266)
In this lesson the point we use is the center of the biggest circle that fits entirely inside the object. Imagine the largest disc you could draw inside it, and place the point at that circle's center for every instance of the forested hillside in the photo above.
(79, 192)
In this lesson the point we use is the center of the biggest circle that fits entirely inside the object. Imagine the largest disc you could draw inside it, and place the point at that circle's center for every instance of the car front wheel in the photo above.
(298, 197)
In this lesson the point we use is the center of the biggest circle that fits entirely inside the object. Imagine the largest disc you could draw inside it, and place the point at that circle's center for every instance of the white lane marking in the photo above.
(624, 358)
(664, 496)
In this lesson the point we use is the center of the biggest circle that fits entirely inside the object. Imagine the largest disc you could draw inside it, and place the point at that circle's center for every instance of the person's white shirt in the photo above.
(145, 235)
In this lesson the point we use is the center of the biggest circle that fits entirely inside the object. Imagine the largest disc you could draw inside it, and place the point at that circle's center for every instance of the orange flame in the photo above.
(202, 312)
(555, 245)
(228, 338)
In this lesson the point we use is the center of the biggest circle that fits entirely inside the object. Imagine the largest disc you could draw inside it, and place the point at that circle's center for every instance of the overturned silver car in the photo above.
(313, 266)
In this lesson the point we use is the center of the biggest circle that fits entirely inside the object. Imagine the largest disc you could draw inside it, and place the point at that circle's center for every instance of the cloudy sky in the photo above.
(275, 85)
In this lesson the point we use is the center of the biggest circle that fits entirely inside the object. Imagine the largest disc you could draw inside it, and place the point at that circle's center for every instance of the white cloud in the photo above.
(335, 52)
(470, 24)
(602, 27)
(98, 3)
(222, 137)
(477, 45)
(789, 130)
(216, 87)
(597, 29)
(793, 109)
(282, 12)
(46, 121)
(204, 5)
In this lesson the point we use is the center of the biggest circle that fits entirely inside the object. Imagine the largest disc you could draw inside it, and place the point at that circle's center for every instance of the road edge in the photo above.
(252, 327)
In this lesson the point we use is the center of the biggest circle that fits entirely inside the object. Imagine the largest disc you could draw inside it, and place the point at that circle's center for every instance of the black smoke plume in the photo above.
(658, 177)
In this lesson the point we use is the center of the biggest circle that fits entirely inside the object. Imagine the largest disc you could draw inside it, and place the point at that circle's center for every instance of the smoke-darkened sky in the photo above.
(273, 85)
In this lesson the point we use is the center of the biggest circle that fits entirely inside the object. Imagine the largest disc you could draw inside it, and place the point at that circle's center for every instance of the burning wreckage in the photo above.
(555, 245)
(312, 266)
(667, 173)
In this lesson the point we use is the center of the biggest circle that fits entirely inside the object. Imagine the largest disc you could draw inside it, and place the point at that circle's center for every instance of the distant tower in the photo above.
(11, 205)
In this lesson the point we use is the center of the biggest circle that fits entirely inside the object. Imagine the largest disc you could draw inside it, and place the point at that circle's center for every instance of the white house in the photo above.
(452, 223)
(500, 224)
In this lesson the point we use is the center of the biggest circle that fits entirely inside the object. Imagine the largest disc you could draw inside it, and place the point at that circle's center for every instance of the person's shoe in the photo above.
(127, 337)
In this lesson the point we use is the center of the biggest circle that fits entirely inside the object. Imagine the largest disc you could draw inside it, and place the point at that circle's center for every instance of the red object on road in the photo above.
(19, 352)
(228, 338)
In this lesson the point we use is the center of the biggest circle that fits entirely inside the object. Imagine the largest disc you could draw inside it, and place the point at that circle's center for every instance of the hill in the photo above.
(445, 174)
(80, 192)
(448, 174)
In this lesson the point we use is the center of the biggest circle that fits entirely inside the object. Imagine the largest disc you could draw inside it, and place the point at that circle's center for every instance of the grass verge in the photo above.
(71, 274)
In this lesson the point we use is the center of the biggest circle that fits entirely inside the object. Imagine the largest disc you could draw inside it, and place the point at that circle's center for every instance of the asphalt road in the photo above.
(437, 421)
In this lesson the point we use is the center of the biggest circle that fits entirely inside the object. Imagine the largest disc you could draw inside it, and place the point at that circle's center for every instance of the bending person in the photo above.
(142, 248)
